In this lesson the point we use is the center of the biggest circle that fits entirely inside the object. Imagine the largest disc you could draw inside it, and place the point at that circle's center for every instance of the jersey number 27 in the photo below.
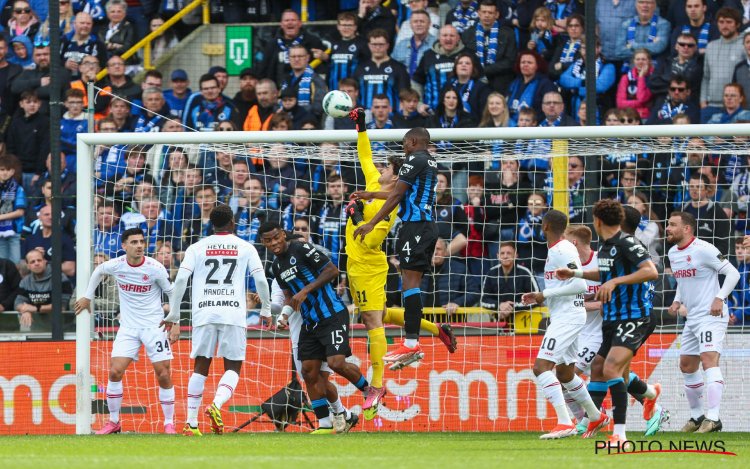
(214, 265)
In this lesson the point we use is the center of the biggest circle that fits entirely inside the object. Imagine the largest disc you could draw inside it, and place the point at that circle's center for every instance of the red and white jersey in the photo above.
(696, 267)
(563, 254)
(592, 287)
(140, 288)
(220, 265)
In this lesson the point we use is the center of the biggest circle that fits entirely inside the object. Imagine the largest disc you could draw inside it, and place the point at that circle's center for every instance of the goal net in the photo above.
(494, 187)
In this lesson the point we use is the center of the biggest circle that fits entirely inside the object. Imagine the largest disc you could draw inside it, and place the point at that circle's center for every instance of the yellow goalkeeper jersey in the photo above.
(366, 256)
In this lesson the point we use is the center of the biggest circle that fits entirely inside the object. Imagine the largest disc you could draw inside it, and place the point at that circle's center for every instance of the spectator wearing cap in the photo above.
(289, 105)
(309, 87)
(259, 116)
(276, 53)
(177, 96)
(245, 97)
(722, 55)
(410, 51)
(120, 83)
(207, 107)
(79, 43)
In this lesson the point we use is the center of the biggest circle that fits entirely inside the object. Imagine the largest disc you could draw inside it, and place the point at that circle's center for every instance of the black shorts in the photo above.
(630, 333)
(416, 244)
(325, 339)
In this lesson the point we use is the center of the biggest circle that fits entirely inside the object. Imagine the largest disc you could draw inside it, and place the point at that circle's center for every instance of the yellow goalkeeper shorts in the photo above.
(368, 291)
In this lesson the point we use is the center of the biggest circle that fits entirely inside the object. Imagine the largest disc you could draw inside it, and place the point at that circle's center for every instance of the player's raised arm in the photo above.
(364, 150)
(645, 273)
(84, 303)
(327, 275)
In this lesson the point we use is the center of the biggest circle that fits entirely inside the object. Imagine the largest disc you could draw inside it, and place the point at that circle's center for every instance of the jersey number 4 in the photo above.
(214, 265)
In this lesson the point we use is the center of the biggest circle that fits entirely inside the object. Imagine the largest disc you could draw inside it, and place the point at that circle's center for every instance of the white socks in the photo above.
(715, 388)
(694, 393)
(114, 400)
(338, 407)
(650, 391)
(411, 343)
(166, 398)
(194, 398)
(619, 430)
(576, 388)
(227, 383)
(573, 406)
(553, 392)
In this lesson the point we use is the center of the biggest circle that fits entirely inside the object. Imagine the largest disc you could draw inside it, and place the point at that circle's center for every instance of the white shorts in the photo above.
(295, 326)
(128, 343)
(560, 343)
(589, 341)
(231, 341)
(705, 334)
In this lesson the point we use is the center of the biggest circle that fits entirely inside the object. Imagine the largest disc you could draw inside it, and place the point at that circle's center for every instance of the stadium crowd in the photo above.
(488, 63)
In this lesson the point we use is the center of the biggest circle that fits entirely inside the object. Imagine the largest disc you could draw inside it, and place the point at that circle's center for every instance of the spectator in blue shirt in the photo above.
(646, 30)
(177, 96)
(410, 51)
(739, 301)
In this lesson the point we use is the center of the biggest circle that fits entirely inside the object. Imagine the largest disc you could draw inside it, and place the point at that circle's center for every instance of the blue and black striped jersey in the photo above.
(387, 78)
(433, 73)
(299, 266)
(420, 172)
(346, 55)
(618, 256)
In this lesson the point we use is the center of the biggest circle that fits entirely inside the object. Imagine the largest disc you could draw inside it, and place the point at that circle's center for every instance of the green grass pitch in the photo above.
(355, 450)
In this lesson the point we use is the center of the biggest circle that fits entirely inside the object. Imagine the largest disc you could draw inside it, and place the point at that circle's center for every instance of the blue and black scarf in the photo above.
(8, 193)
(652, 31)
(464, 17)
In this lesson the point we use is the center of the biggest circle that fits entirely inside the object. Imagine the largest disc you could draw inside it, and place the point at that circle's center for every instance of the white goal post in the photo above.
(579, 141)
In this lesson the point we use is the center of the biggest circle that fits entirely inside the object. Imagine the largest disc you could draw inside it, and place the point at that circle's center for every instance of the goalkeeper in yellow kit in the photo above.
(367, 266)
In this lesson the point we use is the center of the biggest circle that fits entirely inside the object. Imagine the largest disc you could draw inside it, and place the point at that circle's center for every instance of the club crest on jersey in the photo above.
(292, 260)
(572, 265)
(145, 278)
(721, 257)
(613, 251)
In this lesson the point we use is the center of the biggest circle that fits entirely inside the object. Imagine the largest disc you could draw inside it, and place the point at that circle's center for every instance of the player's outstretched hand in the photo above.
(82, 304)
(605, 291)
(746, 242)
(255, 297)
(564, 273)
(717, 307)
(358, 116)
(362, 231)
(532, 298)
(674, 308)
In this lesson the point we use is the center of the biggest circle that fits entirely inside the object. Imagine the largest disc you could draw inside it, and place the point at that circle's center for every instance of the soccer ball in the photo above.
(337, 104)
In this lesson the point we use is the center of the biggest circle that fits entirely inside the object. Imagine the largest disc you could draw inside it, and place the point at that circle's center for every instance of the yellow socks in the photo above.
(378, 349)
(397, 318)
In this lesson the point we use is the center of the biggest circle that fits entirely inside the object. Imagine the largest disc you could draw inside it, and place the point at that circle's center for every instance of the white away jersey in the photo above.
(696, 267)
(140, 288)
(220, 265)
(563, 254)
(592, 288)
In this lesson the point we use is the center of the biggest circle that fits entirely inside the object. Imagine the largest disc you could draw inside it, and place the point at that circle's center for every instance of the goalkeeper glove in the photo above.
(356, 211)
(358, 116)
